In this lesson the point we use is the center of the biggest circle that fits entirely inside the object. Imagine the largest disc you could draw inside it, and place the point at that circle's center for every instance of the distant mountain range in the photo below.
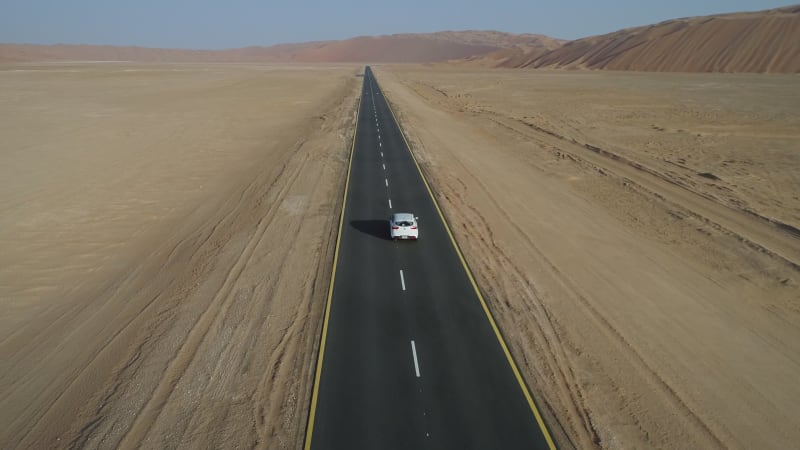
(765, 41)
(396, 48)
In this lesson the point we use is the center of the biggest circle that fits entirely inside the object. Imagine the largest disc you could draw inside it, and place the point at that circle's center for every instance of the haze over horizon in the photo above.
(242, 23)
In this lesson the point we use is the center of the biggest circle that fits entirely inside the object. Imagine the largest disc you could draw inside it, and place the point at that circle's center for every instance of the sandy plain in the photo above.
(636, 236)
(166, 233)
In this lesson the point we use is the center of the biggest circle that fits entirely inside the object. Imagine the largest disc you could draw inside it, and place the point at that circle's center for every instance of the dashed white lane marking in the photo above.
(390, 203)
(386, 180)
(380, 144)
(402, 280)
(381, 154)
(383, 165)
(414, 354)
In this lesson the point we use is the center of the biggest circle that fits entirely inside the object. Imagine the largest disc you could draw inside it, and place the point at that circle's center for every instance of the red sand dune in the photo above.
(515, 56)
(404, 48)
(765, 41)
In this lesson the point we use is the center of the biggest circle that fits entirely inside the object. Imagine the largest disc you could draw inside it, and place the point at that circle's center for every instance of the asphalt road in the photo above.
(409, 358)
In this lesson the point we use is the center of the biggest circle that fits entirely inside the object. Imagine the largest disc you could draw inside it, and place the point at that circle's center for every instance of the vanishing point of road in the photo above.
(410, 357)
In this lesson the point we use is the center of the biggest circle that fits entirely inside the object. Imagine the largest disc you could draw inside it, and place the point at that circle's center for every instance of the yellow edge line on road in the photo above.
(315, 393)
(514, 368)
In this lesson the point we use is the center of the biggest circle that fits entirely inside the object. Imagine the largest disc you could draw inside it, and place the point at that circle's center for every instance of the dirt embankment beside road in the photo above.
(166, 236)
(634, 235)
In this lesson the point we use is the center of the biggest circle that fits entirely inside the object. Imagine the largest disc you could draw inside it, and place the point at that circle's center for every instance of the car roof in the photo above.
(403, 217)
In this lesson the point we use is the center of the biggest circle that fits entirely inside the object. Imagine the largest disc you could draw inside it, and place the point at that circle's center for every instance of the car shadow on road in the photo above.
(375, 228)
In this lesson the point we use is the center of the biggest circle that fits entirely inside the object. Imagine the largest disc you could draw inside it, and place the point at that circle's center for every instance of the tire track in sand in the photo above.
(102, 353)
(217, 307)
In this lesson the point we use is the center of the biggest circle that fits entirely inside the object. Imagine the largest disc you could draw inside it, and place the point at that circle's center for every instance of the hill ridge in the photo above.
(400, 48)
(763, 41)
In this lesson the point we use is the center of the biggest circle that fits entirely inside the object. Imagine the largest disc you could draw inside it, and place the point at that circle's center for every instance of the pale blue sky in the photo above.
(204, 24)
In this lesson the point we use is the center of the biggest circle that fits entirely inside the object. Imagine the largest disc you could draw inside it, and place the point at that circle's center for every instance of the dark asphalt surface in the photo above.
(370, 396)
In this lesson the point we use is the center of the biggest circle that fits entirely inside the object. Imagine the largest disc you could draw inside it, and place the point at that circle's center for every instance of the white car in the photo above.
(403, 226)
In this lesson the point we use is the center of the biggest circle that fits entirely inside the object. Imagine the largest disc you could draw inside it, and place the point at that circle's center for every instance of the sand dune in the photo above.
(763, 42)
(399, 48)
(515, 52)
(506, 57)
(420, 48)
(766, 41)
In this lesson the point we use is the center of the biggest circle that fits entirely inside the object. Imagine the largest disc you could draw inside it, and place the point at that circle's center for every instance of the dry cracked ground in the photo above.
(166, 235)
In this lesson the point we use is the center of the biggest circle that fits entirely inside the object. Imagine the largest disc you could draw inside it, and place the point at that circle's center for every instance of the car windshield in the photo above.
(403, 223)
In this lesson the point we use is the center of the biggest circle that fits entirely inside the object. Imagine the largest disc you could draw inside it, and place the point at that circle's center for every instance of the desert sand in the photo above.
(167, 232)
(165, 244)
(636, 237)
(398, 48)
(760, 42)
